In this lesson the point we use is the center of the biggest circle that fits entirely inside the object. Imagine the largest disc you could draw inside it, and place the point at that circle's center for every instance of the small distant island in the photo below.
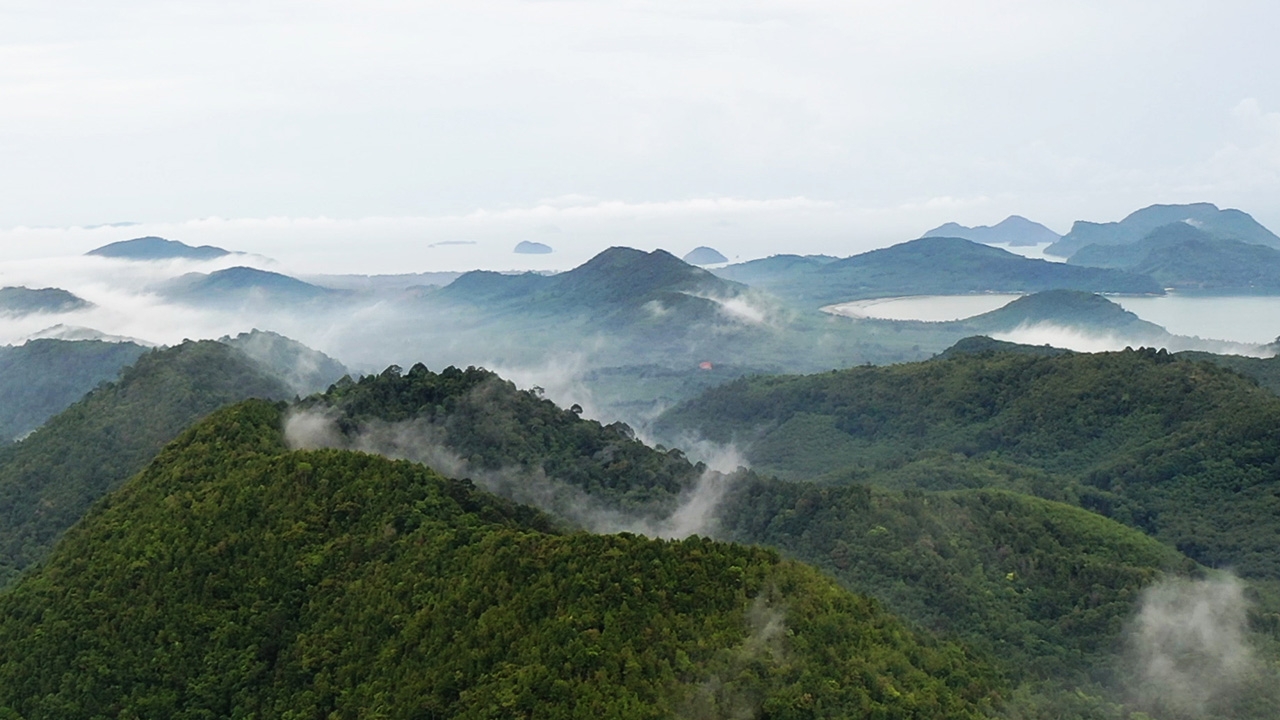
(158, 248)
(703, 255)
(526, 247)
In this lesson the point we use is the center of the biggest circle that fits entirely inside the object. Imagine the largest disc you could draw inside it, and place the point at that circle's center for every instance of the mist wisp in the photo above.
(695, 512)
(1189, 648)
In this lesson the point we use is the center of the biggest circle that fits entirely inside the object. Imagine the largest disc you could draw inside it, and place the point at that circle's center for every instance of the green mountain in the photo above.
(304, 370)
(1186, 258)
(235, 579)
(938, 266)
(49, 479)
(155, 248)
(1042, 588)
(1067, 308)
(1226, 224)
(1014, 230)
(41, 378)
(19, 301)
(1182, 450)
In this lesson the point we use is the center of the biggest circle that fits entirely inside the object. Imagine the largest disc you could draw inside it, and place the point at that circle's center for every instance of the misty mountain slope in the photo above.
(1014, 230)
(1186, 258)
(949, 561)
(50, 478)
(1227, 224)
(1182, 450)
(472, 421)
(1084, 311)
(43, 377)
(20, 301)
(232, 578)
(156, 248)
(943, 266)
(304, 370)
(617, 282)
(943, 560)
(242, 286)
(776, 268)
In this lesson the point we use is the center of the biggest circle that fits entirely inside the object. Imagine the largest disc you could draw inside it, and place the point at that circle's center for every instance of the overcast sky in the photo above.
(351, 136)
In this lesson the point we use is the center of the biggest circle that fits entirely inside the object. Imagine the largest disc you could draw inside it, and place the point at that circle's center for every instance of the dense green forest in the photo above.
(235, 579)
(1042, 589)
(492, 425)
(41, 378)
(51, 477)
(1185, 451)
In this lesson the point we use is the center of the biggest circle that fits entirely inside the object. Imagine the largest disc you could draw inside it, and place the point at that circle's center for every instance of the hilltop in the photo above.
(1228, 224)
(1014, 231)
(156, 248)
(240, 285)
(20, 301)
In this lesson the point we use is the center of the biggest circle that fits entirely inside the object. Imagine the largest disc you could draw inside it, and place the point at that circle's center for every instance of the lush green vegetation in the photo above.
(234, 579)
(41, 378)
(1182, 450)
(50, 478)
(487, 421)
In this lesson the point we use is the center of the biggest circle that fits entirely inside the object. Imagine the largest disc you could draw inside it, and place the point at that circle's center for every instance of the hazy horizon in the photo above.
(330, 136)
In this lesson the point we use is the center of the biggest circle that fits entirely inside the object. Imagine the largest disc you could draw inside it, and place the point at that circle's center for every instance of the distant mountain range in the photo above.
(1014, 231)
(1186, 258)
(1227, 224)
(928, 266)
(157, 248)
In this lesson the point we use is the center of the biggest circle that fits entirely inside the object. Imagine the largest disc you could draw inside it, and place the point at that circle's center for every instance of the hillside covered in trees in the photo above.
(233, 578)
(50, 478)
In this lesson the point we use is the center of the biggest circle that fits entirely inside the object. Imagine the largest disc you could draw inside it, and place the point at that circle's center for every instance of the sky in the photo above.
(389, 136)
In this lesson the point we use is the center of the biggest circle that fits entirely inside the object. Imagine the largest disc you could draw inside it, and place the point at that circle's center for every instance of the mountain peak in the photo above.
(157, 248)
(1014, 230)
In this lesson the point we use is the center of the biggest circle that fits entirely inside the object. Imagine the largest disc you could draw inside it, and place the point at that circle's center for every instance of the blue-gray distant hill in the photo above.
(239, 285)
(1227, 224)
(703, 255)
(19, 301)
(1015, 231)
(1081, 311)
(617, 281)
(157, 248)
(1188, 259)
(766, 271)
(932, 266)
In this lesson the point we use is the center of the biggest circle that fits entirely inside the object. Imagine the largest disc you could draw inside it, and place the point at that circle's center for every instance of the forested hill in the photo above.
(41, 378)
(486, 422)
(234, 579)
(1183, 450)
(50, 478)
